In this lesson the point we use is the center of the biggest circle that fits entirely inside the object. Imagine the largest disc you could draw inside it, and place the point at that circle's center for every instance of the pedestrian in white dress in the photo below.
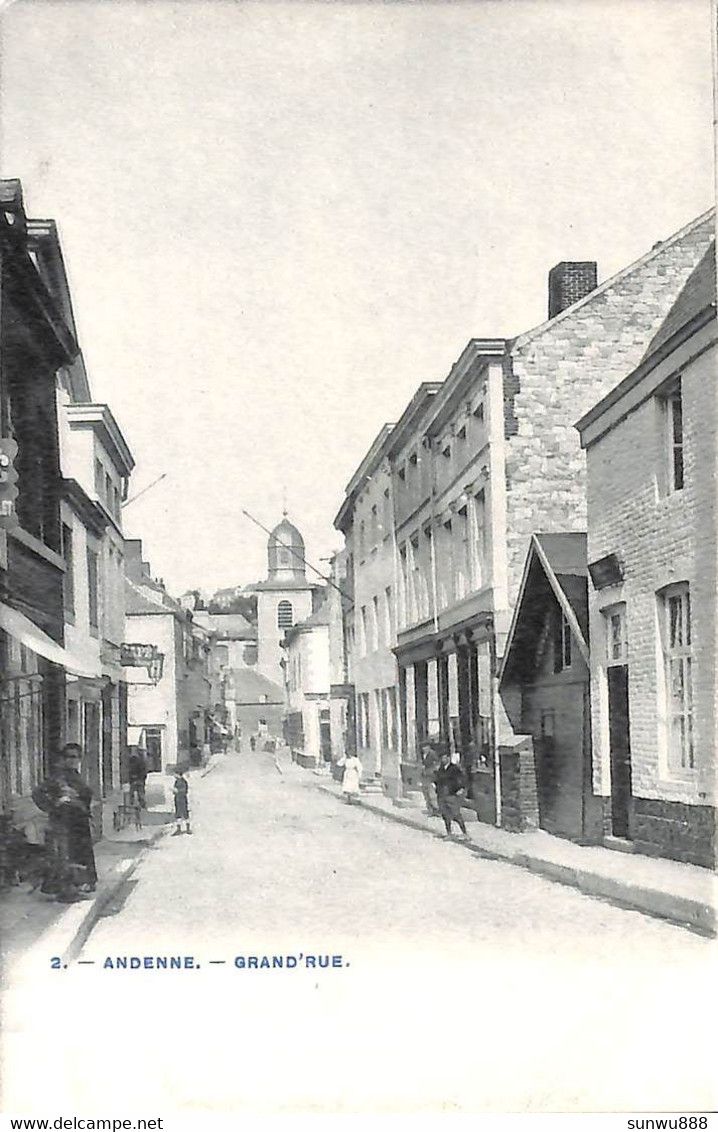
(351, 778)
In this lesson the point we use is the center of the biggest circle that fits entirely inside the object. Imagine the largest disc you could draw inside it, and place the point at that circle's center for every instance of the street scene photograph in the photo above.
(358, 560)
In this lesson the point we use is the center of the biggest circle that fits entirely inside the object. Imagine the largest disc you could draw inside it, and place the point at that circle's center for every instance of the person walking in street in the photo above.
(450, 789)
(180, 789)
(429, 767)
(252, 742)
(351, 778)
(66, 799)
(137, 774)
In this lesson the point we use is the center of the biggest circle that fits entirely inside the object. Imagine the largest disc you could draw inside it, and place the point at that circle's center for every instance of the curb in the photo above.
(67, 937)
(680, 910)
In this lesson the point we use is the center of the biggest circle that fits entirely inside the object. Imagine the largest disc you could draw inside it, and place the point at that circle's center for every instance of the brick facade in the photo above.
(662, 538)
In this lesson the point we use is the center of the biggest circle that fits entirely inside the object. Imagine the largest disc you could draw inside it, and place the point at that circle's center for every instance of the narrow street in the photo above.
(562, 990)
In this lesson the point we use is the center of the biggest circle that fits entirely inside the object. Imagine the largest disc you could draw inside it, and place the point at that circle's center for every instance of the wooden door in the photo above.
(620, 743)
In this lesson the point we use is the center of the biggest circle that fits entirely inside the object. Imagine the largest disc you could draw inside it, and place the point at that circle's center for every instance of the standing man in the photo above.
(137, 772)
(450, 789)
(429, 767)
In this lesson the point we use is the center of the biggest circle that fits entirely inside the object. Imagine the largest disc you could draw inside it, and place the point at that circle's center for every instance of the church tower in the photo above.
(283, 599)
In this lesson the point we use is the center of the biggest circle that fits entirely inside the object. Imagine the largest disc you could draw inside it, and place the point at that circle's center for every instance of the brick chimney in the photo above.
(569, 282)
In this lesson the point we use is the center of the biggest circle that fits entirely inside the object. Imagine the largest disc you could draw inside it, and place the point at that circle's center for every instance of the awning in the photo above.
(27, 633)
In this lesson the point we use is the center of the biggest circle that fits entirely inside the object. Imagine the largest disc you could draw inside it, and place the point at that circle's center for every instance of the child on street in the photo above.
(181, 794)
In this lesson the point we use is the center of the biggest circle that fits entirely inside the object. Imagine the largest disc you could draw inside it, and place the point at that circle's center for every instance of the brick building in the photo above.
(490, 457)
(652, 456)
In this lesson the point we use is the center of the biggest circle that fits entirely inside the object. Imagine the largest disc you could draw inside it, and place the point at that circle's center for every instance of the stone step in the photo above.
(620, 844)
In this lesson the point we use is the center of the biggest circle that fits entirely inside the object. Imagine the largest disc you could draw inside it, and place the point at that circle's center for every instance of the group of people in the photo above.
(443, 785)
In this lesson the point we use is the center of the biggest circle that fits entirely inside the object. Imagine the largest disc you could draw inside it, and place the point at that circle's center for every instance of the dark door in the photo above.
(619, 737)
(91, 711)
(153, 744)
(107, 782)
(325, 737)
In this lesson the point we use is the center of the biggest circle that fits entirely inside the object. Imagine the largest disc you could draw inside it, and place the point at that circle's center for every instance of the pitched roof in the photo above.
(250, 685)
(231, 626)
(698, 293)
(656, 250)
(560, 560)
(565, 551)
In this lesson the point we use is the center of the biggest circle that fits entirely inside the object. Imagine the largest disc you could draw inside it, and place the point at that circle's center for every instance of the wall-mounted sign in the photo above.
(606, 571)
(143, 656)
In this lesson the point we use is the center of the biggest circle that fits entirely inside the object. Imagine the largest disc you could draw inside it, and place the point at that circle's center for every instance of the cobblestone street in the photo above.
(467, 985)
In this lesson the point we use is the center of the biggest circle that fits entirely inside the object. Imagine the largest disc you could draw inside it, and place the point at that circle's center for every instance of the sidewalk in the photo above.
(684, 894)
(26, 917)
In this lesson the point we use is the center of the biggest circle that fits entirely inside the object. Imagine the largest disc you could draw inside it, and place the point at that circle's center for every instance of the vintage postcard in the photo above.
(358, 560)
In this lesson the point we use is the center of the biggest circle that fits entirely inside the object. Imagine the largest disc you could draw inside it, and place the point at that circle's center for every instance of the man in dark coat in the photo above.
(66, 798)
(429, 767)
(450, 788)
(137, 774)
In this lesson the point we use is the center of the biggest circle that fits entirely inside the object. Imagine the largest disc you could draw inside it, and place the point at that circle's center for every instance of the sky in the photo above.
(278, 219)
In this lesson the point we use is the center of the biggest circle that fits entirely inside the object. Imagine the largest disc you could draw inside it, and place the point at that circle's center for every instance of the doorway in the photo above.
(620, 746)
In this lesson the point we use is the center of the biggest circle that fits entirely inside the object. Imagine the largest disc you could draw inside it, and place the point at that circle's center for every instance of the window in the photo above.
(479, 411)
(68, 581)
(108, 489)
(446, 450)
(363, 638)
(562, 643)
(116, 504)
(387, 615)
(362, 538)
(463, 577)
(404, 574)
(616, 640)
(461, 434)
(375, 624)
(548, 724)
(479, 554)
(285, 615)
(387, 513)
(93, 584)
(99, 478)
(221, 653)
(673, 438)
(677, 661)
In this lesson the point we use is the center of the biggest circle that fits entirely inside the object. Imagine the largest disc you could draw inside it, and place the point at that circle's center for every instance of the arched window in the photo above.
(285, 615)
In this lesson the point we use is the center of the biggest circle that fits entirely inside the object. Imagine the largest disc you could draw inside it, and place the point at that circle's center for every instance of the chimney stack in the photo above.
(568, 282)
